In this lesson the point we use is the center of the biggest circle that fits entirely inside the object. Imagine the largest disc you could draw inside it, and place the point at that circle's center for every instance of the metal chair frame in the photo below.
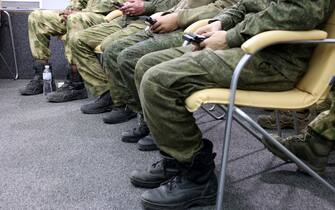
(12, 42)
(232, 109)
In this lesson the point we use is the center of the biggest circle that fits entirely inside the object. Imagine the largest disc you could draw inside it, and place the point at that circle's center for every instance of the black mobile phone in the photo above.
(194, 38)
(150, 21)
(117, 4)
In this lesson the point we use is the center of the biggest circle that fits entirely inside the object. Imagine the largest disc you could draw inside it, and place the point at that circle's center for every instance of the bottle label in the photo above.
(47, 76)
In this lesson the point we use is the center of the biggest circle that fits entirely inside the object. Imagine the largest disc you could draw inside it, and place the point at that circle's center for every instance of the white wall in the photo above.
(54, 4)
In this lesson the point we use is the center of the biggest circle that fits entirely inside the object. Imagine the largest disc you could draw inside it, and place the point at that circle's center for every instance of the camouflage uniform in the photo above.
(324, 124)
(122, 56)
(83, 46)
(44, 23)
(163, 88)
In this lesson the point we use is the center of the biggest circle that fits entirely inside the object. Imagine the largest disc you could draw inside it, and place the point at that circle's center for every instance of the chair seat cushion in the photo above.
(292, 100)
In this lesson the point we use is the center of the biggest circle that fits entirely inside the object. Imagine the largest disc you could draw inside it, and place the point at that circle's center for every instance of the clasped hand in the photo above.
(133, 7)
(165, 23)
(216, 37)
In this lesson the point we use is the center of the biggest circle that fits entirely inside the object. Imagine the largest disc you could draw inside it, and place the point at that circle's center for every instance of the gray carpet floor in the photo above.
(54, 157)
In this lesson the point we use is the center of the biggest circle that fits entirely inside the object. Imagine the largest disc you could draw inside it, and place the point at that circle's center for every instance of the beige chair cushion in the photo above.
(273, 100)
(112, 15)
(62, 37)
(98, 50)
(265, 39)
(193, 27)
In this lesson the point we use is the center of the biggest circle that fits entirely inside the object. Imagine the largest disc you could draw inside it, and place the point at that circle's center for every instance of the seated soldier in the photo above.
(315, 144)
(42, 24)
(185, 176)
(121, 57)
(95, 77)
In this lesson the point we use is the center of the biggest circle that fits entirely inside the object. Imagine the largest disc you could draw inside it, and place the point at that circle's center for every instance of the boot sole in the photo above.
(130, 140)
(147, 148)
(97, 111)
(78, 97)
(141, 184)
(203, 201)
(122, 120)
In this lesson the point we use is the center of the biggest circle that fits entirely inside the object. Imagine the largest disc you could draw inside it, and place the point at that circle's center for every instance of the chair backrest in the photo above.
(321, 66)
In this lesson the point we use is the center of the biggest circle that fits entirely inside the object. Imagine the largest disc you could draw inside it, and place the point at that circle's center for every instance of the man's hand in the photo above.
(133, 7)
(213, 32)
(216, 40)
(65, 13)
(215, 26)
(165, 23)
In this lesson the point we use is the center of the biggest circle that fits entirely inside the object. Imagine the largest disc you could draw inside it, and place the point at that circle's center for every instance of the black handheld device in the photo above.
(194, 38)
(149, 21)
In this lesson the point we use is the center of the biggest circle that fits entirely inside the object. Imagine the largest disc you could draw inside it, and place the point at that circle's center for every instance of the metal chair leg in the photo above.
(277, 114)
(212, 108)
(295, 122)
(13, 44)
(227, 136)
(209, 111)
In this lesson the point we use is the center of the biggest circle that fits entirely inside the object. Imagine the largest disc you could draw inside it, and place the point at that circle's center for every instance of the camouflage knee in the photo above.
(143, 65)
(110, 55)
(33, 17)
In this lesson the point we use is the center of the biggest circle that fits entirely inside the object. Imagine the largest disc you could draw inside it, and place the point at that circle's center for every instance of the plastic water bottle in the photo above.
(47, 80)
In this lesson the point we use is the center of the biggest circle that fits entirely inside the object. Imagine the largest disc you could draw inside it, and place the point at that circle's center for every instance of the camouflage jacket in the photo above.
(250, 17)
(201, 9)
(77, 4)
(100, 6)
(153, 6)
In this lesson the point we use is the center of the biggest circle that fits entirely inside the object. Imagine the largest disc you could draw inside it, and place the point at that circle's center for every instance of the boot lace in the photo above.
(173, 182)
(66, 86)
(300, 138)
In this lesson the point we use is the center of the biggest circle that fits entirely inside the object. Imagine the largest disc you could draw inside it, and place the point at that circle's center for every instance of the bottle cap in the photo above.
(47, 66)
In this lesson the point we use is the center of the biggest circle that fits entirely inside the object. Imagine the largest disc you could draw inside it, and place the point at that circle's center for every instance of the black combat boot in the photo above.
(156, 174)
(134, 135)
(35, 86)
(195, 186)
(147, 143)
(73, 89)
(102, 104)
(119, 115)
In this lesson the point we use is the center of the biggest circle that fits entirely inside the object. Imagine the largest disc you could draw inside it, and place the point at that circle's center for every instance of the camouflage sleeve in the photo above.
(188, 16)
(101, 6)
(77, 4)
(151, 7)
(279, 15)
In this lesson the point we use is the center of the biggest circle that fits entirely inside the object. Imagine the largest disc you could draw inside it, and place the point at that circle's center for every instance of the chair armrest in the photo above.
(112, 15)
(195, 26)
(262, 40)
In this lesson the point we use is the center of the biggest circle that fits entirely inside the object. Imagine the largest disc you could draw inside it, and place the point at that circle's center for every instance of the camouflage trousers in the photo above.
(96, 79)
(44, 23)
(121, 58)
(164, 86)
(324, 124)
